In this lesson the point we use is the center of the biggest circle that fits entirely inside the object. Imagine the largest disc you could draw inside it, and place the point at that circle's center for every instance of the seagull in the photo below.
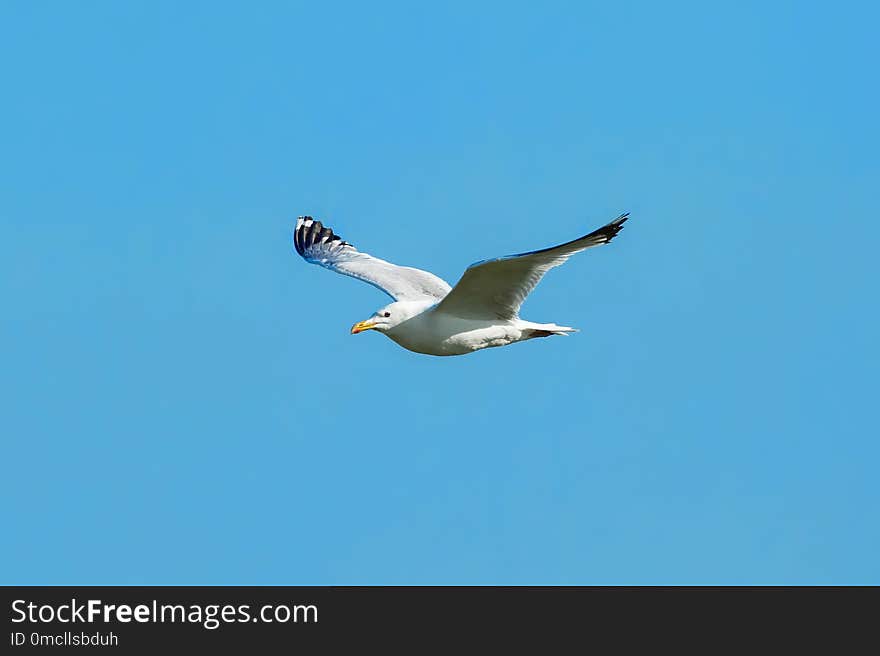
(427, 315)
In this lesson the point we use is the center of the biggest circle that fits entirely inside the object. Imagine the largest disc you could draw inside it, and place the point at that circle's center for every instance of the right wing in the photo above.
(495, 289)
(318, 245)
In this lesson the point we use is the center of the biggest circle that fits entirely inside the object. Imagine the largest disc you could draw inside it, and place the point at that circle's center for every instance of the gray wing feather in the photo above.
(495, 289)
(319, 245)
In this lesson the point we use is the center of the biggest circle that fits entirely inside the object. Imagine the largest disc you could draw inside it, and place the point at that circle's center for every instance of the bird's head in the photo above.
(390, 316)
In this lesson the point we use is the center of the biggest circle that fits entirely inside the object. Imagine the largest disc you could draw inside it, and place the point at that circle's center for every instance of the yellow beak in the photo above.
(361, 326)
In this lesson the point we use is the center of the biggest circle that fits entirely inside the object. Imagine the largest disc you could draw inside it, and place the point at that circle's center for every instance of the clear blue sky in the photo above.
(182, 401)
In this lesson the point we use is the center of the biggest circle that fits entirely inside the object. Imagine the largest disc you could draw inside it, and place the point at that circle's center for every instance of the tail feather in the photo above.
(548, 329)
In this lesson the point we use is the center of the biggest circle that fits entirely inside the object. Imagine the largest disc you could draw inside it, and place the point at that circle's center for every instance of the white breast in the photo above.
(441, 334)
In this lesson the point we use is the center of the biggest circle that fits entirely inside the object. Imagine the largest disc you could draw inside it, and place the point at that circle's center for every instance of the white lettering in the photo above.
(18, 610)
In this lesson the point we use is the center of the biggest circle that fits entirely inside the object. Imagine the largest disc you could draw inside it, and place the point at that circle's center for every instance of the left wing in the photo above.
(495, 289)
(319, 245)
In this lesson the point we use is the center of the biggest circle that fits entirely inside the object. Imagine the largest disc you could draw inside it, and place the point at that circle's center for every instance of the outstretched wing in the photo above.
(319, 245)
(495, 289)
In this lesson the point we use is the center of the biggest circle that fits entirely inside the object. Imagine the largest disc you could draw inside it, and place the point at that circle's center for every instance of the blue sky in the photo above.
(182, 402)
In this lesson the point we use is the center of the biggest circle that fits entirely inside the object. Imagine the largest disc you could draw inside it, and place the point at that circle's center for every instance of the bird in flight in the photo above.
(427, 315)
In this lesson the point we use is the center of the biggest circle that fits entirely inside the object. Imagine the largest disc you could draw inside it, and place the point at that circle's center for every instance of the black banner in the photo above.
(133, 619)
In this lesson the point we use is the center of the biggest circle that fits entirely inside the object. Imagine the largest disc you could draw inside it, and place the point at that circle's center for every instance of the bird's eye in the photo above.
(386, 315)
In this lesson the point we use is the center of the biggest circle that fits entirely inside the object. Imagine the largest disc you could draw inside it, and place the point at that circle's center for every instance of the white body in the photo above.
(436, 333)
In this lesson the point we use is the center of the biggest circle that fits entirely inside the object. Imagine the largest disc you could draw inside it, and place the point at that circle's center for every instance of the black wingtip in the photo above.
(619, 221)
(298, 233)
(309, 232)
(608, 232)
